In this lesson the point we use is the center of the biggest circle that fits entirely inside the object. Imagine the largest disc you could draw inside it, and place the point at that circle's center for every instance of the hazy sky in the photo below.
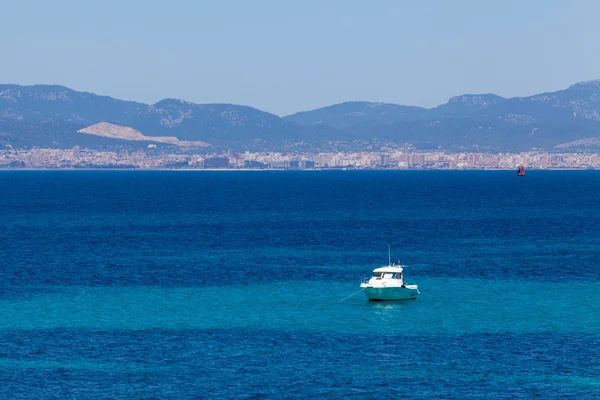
(285, 56)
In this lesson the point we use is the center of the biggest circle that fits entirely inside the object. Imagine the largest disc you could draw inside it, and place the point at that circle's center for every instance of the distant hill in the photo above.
(474, 121)
(344, 115)
(51, 116)
(39, 103)
(222, 125)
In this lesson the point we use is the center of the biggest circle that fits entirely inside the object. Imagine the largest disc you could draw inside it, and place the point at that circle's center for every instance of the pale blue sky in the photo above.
(284, 56)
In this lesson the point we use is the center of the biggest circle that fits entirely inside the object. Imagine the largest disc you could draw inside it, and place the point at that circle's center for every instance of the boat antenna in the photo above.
(389, 255)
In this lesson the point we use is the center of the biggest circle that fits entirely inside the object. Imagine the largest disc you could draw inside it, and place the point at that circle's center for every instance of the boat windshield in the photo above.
(387, 275)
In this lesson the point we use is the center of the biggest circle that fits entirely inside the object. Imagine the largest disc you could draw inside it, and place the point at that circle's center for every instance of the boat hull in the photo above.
(391, 293)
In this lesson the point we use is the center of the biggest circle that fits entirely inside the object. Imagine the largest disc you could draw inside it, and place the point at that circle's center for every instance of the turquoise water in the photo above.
(208, 285)
(453, 306)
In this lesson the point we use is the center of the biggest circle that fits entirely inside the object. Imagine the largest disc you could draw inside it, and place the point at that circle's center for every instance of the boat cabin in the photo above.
(390, 272)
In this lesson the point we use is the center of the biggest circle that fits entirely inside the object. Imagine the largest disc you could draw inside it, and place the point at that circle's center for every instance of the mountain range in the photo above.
(59, 117)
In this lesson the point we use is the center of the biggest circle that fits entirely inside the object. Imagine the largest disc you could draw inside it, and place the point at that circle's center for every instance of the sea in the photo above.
(245, 284)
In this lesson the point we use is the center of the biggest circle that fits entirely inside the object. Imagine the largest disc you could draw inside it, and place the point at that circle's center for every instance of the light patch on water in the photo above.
(445, 306)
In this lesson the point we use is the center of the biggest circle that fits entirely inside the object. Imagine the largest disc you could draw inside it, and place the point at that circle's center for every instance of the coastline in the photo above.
(293, 170)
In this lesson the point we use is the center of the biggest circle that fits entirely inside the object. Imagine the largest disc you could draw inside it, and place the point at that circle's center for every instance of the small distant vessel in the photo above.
(521, 171)
(387, 284)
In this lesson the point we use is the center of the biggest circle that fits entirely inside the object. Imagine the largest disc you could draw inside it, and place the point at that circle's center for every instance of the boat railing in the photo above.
(365, 280)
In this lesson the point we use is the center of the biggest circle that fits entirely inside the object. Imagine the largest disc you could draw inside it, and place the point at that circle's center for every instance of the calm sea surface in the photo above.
(155, 285)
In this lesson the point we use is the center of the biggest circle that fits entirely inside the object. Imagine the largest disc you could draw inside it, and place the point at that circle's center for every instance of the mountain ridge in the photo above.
(467, 121)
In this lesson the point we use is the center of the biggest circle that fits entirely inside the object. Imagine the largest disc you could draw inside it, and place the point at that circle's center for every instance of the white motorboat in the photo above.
(387, 283)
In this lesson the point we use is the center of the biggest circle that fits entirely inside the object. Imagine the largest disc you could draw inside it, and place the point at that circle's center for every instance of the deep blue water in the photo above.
(117, 284)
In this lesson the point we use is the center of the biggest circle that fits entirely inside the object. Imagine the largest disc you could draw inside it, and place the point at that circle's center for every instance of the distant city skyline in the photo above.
(285, 57)
(399, 159)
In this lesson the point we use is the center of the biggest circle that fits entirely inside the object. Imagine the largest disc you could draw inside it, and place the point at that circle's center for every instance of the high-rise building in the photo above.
(416, 160)
(384, 160)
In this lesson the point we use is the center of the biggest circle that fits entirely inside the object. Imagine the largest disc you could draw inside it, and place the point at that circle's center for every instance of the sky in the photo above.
(285, 56)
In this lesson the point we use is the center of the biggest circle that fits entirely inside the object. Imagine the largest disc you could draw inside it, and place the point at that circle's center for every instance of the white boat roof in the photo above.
(389, 268)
